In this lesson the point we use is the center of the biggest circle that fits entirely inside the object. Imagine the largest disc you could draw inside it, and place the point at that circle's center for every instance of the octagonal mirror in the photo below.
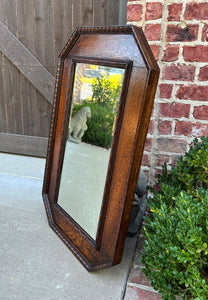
(105, 87)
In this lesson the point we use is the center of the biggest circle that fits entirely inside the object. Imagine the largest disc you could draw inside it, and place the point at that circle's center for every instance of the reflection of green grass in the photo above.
(100, 124)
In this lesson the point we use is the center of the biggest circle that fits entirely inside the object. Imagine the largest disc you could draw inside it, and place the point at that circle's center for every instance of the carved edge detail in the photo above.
(79, 30)
(90, 267)
(51, 133)
(93, 30)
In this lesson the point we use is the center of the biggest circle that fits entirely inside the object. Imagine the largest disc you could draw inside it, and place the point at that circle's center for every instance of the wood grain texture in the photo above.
(26, 24)
(100, 13)
(110, 45)
(82, 13)
(23, 144)
(12, 90)
(112, 7)
(62, 25)
(3, 102)
(44, 115)
(114, 45)
(28, 65)
(30, 118)
(32, 34)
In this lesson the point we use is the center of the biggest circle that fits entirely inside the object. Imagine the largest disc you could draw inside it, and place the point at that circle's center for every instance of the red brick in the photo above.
(174, 159)
(171, 53)
(161, 159)
(191, 129)
(205, 33)
(197, 11)
(166, 90)
(153, 11)
(193, 92)
(195, 53)
(138, 277)
(145, 160)
(134, 12)
(203, 74)
(178, 72)
(175, 33)
(148, 144)
(157, 187)
(133, 293)
(175, 110)
(201, 112)
(164, 127)
(174, 11)
(151, 127)
(171, 145)
(157, 172)
(153, 32)
(155, 50)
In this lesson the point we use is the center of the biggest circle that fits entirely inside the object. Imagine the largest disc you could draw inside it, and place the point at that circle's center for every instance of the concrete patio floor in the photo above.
(34, 262)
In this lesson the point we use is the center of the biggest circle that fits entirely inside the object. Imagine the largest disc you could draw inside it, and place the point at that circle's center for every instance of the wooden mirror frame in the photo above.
(118, 46)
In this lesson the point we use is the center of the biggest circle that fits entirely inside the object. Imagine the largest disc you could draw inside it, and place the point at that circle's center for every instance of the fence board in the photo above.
(40, 34)
(8, 14)
(82, 13)
(32, 34)
(44, 33)
(100, 16)
(28, 94)
(122, 12)
(62, 24)
(12, 90)
(44, 113)
(3, 103)
(112, 11)
(26, 24)
(3, 100)
(30, 115)
(23, 144)
(23, 59)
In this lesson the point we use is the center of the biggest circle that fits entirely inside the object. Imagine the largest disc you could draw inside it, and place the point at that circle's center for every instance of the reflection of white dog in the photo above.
(78, 124)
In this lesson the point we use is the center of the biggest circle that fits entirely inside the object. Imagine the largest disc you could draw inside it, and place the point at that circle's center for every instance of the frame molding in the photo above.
(126, 46)
(127, 66)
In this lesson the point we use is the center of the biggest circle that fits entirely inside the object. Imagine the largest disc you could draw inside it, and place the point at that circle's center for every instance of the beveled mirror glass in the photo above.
(103, 98)
(95, 98)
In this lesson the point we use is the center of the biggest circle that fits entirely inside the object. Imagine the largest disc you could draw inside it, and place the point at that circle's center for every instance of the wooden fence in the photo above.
(32, 33)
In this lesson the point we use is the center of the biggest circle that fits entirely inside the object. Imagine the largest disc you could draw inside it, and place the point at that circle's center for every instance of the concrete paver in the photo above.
(138, 286)
(34, 262)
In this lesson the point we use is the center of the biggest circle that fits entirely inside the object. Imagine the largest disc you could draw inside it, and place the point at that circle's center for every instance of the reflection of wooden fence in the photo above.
(32, 33)
(77, 83)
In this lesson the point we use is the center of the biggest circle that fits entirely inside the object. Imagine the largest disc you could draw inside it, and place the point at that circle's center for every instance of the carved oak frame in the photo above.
(119, 46)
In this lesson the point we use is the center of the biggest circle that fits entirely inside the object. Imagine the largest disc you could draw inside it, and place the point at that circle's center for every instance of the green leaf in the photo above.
(176, 229)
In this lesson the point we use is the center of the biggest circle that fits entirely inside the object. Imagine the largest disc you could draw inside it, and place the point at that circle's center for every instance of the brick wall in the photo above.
(177, 32)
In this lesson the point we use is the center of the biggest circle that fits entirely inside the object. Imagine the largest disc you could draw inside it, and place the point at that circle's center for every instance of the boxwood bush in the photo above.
(100, 125)
(175, 251)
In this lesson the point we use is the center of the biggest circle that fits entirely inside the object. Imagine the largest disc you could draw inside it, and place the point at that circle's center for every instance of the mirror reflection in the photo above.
(96, 95)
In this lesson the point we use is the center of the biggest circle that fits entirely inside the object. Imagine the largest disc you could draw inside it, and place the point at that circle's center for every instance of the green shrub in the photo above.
(176, 229)
(103, 105)
(106, 90)
(100, 125)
